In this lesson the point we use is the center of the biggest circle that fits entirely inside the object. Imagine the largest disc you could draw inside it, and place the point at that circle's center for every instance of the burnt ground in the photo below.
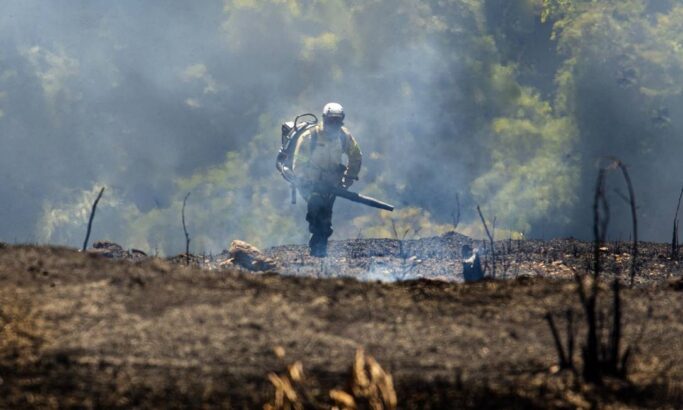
(81, 330)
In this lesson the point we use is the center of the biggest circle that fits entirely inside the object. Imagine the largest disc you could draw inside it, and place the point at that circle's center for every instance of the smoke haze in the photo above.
(490, 100)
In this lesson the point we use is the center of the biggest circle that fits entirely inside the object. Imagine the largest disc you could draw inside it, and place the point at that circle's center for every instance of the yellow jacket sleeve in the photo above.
(352, 151)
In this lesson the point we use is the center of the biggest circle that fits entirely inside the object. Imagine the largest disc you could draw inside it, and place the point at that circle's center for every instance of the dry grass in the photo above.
(369, 387)
(21, 334)
(95, 333)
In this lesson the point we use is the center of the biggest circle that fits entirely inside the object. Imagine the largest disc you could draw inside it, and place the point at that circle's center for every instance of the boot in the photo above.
(318, 246)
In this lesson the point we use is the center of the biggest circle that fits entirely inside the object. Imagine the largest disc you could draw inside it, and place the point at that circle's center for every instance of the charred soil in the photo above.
(81, 330)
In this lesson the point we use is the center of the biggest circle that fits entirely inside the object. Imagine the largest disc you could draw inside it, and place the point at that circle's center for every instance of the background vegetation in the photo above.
(506, 103)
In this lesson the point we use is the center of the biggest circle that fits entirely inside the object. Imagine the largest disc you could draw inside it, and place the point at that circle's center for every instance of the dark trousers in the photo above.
(319, 217)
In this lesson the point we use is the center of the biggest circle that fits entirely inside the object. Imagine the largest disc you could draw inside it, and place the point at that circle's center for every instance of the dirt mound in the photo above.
(79, 330)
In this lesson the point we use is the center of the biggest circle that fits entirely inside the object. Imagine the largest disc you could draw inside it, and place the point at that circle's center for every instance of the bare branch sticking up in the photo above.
(634, 219)
(394, 231)
(566, 358)
(674, 240)
(562, 357)
(602, 351)
(456, 213)
(631, 200)
(491, 240)
(92, 216)
(187, 236)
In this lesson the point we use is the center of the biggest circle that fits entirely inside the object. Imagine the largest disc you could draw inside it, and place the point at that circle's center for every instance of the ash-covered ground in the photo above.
(440, 258)
(384, 260)
(117, 329)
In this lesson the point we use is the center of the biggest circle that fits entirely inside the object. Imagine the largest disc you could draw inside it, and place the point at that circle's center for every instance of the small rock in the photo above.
(249, 257)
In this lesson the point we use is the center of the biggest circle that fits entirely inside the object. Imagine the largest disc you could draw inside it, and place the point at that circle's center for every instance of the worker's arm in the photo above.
(354, 155)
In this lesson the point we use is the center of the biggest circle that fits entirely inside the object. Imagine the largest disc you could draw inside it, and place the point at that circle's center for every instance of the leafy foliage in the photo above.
(509, 102)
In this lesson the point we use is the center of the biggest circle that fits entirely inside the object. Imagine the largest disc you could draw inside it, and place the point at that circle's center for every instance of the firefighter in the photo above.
(319, 163)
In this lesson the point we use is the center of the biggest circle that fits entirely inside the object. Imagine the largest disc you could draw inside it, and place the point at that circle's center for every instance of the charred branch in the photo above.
(602, 350)
(565, 358)
(558, 342)
(187, 235)
(562, 358)
(491, 241)
(674, 240)
(92, 216)
(571, 334)
(612, 360)
(634, 219)
(456, 213)
(591, 352)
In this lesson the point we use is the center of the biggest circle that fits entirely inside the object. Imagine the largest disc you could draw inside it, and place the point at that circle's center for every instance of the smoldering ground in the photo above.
(469, 98)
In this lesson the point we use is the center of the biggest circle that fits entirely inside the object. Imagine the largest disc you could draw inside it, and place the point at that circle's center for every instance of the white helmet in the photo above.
(333, 110)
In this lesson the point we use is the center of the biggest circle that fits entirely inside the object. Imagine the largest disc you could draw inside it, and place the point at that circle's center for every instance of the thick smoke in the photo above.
(469, 98)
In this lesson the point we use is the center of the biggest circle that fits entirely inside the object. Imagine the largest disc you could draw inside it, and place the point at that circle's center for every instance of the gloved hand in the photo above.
(347, 182)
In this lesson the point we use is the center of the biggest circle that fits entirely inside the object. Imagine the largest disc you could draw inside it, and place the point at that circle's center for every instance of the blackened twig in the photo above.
(570, 338)
(564, 364)
(602, 355)
(92, 216)
(634, 218)
(493, 246)
(674, 240)
(394, 231)
(456, 213)
(615, 333)
(591, 361)
(187, 236)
